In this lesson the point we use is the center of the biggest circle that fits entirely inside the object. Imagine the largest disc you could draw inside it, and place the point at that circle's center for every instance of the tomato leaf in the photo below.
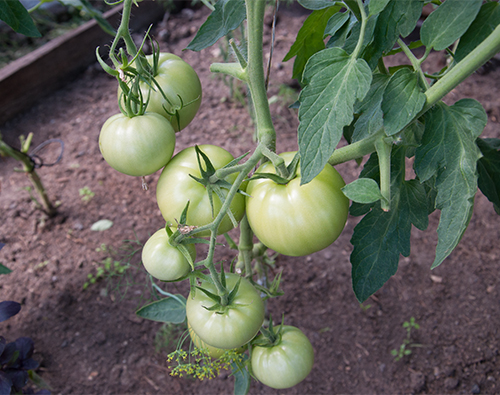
(227, 16)
(448, 22)
(450, 153)
(489, 170)
(171, 310)
(377, 6)
(242, 378)
(4, 269)
(309, 39)
(13, 13)
(334, 82)
(402, 100)
(398, 18)
(486, 21)
(316, 4)
(363, 190)
(370, 109)
(335, 23)
(380, 237)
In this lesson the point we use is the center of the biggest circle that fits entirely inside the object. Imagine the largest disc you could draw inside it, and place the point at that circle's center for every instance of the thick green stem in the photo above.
(384, 162)
(245, 246)
(362, 30)
(233, 69)
(480, 55)
(355, 150)
(255, 71)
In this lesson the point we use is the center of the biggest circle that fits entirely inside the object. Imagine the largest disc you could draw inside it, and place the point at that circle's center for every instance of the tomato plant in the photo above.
(394, 117)
(229, 326)
(284, 363)
(295, 219)
(176, 187)
(177, 92)
(137, 146)
(162, 260)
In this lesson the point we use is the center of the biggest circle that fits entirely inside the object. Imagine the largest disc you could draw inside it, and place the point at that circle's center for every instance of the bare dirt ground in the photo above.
(91, 342)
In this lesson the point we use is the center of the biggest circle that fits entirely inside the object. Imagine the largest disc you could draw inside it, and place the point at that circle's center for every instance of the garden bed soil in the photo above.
(91, 342)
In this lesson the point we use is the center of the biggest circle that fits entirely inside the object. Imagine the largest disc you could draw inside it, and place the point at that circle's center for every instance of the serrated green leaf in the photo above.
(486, 21)
(402, 101)
(340, 36)
(4, 269)
(242, 378)
(370, 109)
(335, 23)
(363, 190)
(309, 39)
(448, 22)
(450, 153)
(101, 225)
(13, 13)
(380, 237)
(316, 4)
(334, 82)
(377, 6)
(489, 170)
(226, 17)
(171, 310)
(398, 18)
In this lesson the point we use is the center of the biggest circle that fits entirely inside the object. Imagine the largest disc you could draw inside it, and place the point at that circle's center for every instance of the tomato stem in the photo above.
(245, 246)
(384, 160)
(256, 78)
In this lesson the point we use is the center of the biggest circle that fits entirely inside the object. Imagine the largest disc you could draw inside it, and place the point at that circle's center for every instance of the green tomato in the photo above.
(286, 363)
(175, 188)
(137, 146)
(213, 352)
(297, 220)
(232, 326)
(176, 79)
(162, 260)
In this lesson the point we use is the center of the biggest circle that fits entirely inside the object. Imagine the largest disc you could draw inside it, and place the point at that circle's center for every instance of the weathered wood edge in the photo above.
(48, 68)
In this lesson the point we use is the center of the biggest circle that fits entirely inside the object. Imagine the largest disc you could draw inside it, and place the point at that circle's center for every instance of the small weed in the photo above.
(403, 350)
(105, 269)
(86, 194)
(365, 308)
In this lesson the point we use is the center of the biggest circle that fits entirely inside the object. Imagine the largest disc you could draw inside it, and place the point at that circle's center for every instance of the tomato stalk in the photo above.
(255, 70)
(415, 63)
(245, 247)
(362, 30)
(383, 149)
(29, 169)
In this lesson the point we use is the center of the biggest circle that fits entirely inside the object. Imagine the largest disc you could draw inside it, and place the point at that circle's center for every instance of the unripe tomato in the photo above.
(236, 324)
(137, 146)
(296, 219)
(175, 188)
(176, 78)
(285, 364)
(163, 261)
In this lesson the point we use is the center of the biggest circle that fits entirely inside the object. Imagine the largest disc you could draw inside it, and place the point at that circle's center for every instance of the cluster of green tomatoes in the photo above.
(289, 218)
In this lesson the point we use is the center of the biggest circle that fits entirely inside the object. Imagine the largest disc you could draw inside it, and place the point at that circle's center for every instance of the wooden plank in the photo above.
(48, 68)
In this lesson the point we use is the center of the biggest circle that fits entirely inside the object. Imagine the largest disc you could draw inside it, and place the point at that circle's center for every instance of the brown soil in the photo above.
(90, 341)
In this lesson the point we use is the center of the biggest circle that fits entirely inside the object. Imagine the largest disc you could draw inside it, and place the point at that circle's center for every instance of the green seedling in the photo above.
(403, 348)
(86, 194)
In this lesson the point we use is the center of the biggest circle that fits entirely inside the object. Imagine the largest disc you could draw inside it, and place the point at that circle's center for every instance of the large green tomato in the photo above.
(137, 146)
(176, 78)
(163, 261)
(297, 220)
(285, 364)
(232, 326)
(175, 188)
